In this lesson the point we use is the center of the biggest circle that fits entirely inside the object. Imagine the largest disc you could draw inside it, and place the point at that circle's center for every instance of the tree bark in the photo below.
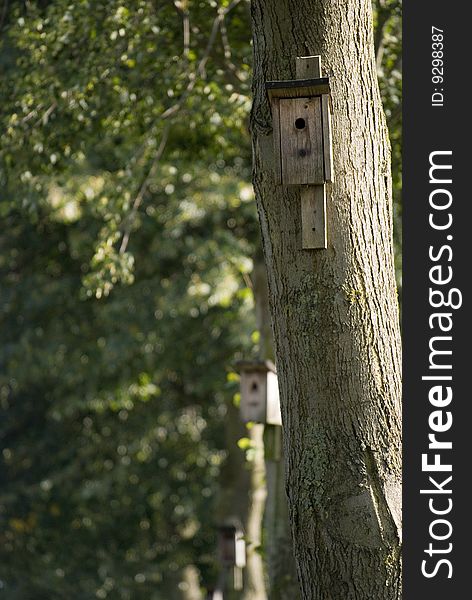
(335, 311)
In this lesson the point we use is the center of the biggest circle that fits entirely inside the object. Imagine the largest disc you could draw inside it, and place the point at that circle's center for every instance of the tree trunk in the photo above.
(283, 584)
(242, 499)
(189, 586)
(254, 584)
(335, 311)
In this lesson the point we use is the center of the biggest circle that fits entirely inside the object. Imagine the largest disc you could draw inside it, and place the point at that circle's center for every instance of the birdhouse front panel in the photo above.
(301, 141)
(253, 396)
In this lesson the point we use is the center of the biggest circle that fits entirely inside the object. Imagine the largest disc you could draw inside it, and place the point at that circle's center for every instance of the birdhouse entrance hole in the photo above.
(300, 123)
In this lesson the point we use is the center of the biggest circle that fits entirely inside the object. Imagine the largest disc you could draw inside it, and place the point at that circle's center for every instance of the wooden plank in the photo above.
(313, 200)
(327, 139)
(308, 67)
(273, 442)
(301, 138)
(276, 135)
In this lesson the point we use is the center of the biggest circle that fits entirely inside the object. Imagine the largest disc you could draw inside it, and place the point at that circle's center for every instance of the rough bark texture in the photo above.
(335, 311)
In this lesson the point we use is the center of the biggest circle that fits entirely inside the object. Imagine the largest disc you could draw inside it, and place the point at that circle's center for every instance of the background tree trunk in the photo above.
(254, 581)
(283, 584)
(242, 499)
(189, 586)
(335, 311)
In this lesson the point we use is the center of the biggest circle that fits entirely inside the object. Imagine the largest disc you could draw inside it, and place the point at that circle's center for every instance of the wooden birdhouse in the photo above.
(301, 124)
(231, 546)
(259, 392)
(301, 130)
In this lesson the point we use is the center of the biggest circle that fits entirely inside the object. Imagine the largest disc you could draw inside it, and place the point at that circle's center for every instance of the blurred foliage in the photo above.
(124, 291)
(125, 256)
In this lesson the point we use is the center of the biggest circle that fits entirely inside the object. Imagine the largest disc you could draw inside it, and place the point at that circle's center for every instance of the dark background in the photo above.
(427, 129)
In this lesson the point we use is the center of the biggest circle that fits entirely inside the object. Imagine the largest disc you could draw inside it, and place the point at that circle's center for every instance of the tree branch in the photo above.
(142, 190)
(182, 10)
(200, 71)
(193, 78)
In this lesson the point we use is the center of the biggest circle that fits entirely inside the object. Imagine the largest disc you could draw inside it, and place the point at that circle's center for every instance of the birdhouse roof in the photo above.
(251, 366)
(298, 88)
(231, 525)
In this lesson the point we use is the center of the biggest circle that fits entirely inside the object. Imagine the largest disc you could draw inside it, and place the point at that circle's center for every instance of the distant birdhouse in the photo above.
(259, 392)
(214, 594)
(231, 546)
(301, 130)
